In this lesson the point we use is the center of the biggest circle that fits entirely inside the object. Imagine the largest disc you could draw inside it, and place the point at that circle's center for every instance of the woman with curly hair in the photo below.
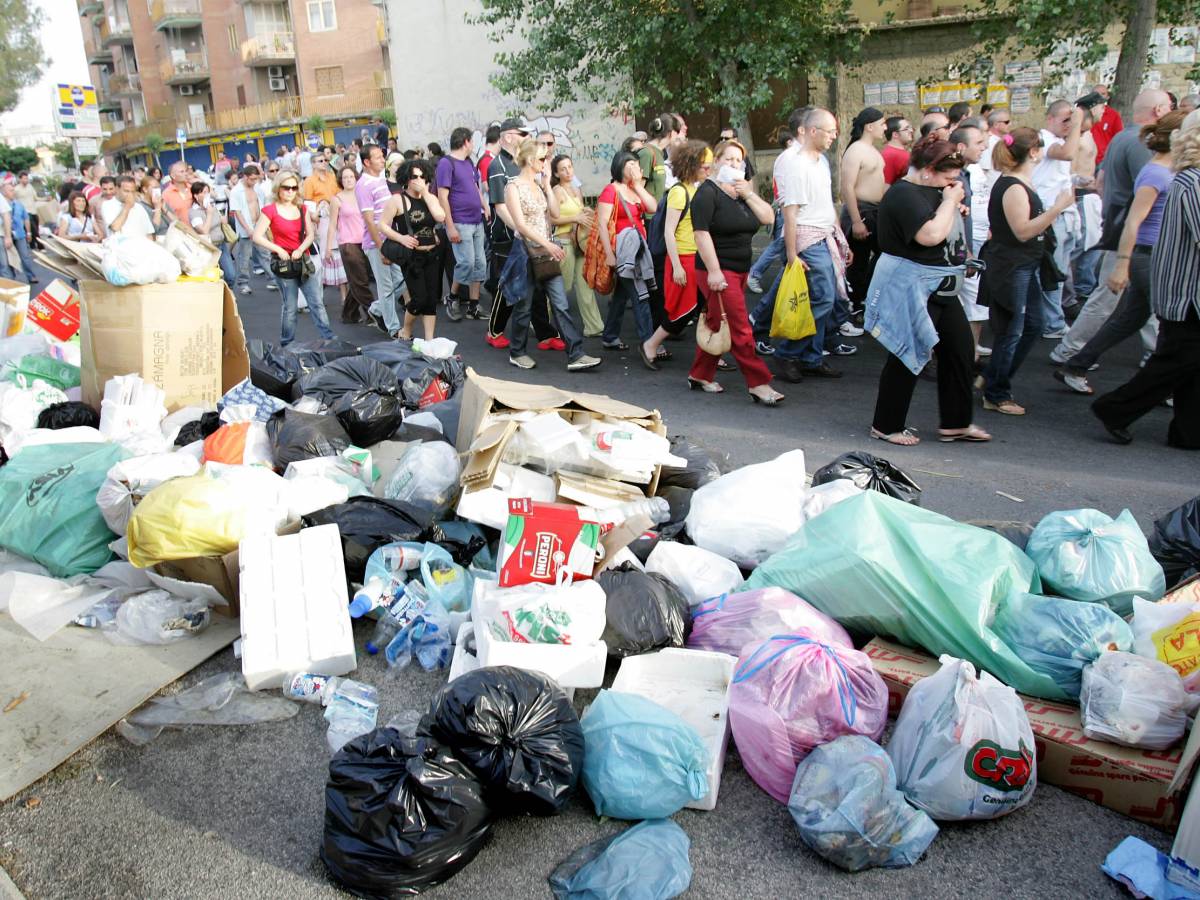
(408, 220)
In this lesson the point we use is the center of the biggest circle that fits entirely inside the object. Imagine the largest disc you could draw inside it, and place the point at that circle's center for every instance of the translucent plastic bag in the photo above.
(569, 614)
(698, 573)
(648, 861)
(447, 582)
(641, 761)
(792, 693)
(821, 497)
(728, 623)
(845, 802)
(962, 745)
(1085, 555)
(1169, 633)
(218, 700)
(1132, 700)
(129, 481)
(426, 638)
(156, 617)
(136, 260)
(426, 476)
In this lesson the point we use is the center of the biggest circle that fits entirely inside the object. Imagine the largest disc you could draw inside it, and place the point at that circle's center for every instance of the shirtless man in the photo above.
(1085, 263)
(862, 187)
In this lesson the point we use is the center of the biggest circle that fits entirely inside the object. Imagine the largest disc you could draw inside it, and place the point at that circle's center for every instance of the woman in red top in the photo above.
(626, 198)
(292, 233)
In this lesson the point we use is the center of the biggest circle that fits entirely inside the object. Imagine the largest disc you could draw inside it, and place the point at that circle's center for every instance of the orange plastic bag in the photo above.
(238, 444)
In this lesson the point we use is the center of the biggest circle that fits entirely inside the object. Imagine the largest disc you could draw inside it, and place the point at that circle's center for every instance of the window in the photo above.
(329, 81)
(321, 15)
(233, 41)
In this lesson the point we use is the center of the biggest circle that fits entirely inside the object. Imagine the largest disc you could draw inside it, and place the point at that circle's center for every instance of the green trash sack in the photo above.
(33, 366)
(882, 566)
(48, 508)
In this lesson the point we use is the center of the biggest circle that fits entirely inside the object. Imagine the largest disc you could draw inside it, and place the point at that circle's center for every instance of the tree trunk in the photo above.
(1131, 66)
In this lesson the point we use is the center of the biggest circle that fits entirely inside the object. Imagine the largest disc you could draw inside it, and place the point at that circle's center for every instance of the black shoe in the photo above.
(790, 370)
(1119, 435)
(377, 320)
(821, 371)
(473, 312)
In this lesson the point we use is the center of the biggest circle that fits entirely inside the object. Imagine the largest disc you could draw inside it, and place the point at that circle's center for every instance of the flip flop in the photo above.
(896, 438)
(973, 435)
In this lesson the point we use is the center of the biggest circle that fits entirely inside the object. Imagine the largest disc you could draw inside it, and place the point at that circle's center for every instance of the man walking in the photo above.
(245, 205)
(1107, 123)
(1052, 176)
(372, 193)
(27, 194)
(970, 143)
(460, 198)
(862, 186)
(898, 132)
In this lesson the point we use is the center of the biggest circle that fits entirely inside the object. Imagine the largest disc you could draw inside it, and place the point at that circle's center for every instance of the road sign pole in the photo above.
(75, 152)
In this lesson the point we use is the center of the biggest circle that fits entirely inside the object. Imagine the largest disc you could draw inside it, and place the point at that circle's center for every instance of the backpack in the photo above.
(656, 234)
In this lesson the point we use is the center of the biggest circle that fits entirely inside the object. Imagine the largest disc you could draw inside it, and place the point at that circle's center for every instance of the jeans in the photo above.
(1132, 312)
(822, 291)
(22, 245)
(5, 269)
(289, 290)
(386, 278)
(245, 251)
(624, 293)
(470, 261)
(522, 312)
(1014, 331)
(773, 252)
(229, 269)
(1066, 229)
(1085, 267)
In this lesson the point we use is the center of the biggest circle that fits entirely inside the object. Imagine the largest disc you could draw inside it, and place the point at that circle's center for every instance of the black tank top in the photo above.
(1002, 232)
(419, 217)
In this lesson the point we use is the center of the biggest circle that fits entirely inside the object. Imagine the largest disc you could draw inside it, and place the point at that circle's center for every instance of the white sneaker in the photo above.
(753, 284)
(272, 286)
(584, 362)
(522, 362)
(245, 289)
(258, 271)
(849, 329)
(983, 351)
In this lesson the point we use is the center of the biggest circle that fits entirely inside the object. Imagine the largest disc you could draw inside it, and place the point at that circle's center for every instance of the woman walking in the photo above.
(625, 201)
(572, 225)
(408, 220)
(344, 235)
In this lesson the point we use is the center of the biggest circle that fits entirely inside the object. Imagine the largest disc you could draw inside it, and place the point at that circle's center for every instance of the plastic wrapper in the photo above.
(71, 414)
(727, 624)
(821, 497)
(703, 465)
(198, 429)
(792, 693)
(218, 700)
(296, 436)
(962, 745)
(401, 815)
(881, 566)
(517, 731)
(845, 802)
(426, 476)
(643, 612)
(239, 444)
(1170, 633)
(749, 514)
(127, 482)
(569, 614)
(648, 861)
(156, 617)
(1085, 555)
(366, 523)
(1016, 532)
(1059, 637)
(273, 369)
(641, 760)
(698, 573)
(1131, 700)
(869, 472)
(1175, 542)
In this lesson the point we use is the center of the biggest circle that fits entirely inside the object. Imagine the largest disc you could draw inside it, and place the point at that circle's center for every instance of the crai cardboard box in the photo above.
(56, 310)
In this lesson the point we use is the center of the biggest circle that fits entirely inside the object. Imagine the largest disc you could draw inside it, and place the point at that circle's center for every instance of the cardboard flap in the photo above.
(235, 360)
(516, 395)
(619, 538)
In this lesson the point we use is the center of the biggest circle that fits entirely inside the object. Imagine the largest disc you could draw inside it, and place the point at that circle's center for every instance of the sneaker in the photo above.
(764, 348)
(984, 352)
(584, 362)
(845, 350)
(377, 320)
(849, 329)
(258, 271)
(1059, 357)
(272, 286)
(245, 289)
(522, 362)
(753, 284)
(499, 341)
(454, 310)
(1077, 383)
(474, 312)
(1056, 335)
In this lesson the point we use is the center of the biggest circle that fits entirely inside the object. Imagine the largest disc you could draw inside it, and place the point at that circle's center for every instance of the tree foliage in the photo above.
(17, 159)
(21, 56)
(64, 153)
(154, 144)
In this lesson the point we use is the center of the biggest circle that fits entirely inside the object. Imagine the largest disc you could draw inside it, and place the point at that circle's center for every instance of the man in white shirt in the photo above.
(123, 214)
(1052, 176)
(304, 163)
(246, 201)
(6, 271)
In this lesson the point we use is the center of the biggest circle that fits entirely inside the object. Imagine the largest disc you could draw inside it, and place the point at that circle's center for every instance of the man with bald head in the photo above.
(937, 123)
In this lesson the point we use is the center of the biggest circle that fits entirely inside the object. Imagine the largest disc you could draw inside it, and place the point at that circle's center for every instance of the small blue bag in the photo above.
(446, 581)
(648, 862)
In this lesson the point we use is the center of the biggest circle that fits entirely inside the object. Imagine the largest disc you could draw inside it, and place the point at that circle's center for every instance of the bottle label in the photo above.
(306, 686)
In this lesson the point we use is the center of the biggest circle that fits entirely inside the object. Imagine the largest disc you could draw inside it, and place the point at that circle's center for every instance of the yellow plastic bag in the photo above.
(185, 517)
(793, 318)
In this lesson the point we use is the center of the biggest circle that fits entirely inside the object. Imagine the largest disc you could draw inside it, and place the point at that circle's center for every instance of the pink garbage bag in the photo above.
(794, 692)
(726, 624)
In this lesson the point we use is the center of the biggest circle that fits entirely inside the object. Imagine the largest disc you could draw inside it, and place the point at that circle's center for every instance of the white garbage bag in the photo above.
(821, 497)
(1130, 700)
(1170, 633)
(571, 613)
(137, 260)
(131, 479)
(698, 573)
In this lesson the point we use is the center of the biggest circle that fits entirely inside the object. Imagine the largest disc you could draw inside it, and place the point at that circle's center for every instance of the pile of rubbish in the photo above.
(534, 542)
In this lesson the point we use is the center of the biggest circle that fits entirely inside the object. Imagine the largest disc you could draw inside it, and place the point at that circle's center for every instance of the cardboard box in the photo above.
(56, 310)
(185, 337)
(14, 302)
(1143, 784)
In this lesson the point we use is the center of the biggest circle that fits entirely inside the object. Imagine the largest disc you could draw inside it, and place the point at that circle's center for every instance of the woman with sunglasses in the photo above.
(574, 219)
(292, 234)
(409, 220)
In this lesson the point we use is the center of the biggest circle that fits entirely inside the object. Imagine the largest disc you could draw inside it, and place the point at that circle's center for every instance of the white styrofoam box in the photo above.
(465, 659)
(490, 506)
(295, 612)
(693, 684)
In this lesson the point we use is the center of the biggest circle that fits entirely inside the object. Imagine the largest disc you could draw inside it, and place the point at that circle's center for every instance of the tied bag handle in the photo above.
(846, 695)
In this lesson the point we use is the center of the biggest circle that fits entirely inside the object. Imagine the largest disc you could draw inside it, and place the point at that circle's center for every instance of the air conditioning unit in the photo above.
(277, 84)
(274, 71)
(186, 90)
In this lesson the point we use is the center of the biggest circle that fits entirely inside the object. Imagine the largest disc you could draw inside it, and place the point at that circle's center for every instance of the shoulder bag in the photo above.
(714, 342)
(395, 251)
(296, 269)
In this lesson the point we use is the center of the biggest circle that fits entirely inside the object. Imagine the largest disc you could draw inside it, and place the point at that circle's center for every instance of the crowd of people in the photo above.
(1083, 231)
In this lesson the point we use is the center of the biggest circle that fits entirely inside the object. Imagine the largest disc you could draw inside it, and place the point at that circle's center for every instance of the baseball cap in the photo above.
(516, 124)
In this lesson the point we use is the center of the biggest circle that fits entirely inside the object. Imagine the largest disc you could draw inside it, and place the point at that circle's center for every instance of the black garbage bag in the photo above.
(273, 369)
(401, 815)
(198, 430)
(345, 376)
(369, 415)
(409, 433)
(369, 522)
(439, 381)
(643, 545)
(448, 413)
(296, 436)
(68, 415)
(398, 356)
(1175, 542)
(517, 731)
(313, 354)
(680, 501)
(1014, 532)
(703, 465)
(644, 611)
(870, 473)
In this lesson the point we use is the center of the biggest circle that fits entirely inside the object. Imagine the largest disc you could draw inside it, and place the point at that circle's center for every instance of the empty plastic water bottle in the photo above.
(656, 508)
(310, 687)
(371, 595)
(352, 710)
(409, 603)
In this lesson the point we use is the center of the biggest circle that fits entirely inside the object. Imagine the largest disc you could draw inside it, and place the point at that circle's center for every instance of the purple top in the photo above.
(372, 193)
(462, 179)
(1158, 177)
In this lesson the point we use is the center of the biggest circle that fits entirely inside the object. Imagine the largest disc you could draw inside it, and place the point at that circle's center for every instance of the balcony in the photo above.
(114, 31)
(88, 7)
(175, 14)
(109, 104)
(272, 49)
(99, 56)
(125, 84)
(184, 68)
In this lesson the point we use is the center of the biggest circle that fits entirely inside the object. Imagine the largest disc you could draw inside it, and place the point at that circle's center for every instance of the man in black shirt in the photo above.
(380, 130)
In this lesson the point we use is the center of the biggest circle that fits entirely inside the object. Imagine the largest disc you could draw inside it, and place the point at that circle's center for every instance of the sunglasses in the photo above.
(415, 175)
(289, 187)
(272, 171)
(546, 143)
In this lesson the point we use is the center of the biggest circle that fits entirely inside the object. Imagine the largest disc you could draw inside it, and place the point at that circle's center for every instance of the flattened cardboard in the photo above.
(1142, 784)
(14, 303)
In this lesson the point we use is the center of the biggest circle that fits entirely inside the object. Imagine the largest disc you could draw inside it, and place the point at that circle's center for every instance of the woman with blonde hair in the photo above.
(344, 237)
(573, 222)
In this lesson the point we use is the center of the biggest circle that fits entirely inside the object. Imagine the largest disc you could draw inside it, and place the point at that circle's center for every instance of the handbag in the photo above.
(544, 265)
(229, 233)
(716, 342)
(296, 269)
(597, 273)
(395, 251)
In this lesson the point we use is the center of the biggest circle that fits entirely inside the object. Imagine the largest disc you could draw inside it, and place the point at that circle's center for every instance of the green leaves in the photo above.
(21, 56)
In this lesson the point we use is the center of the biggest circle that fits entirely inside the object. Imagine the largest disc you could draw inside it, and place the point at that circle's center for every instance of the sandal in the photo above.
(646, 360)
(663, 353)
(1008, 407)
(905, 438)
(772, 399)
(709, 387)
(971, 434)
(723, 366)
(615, 345)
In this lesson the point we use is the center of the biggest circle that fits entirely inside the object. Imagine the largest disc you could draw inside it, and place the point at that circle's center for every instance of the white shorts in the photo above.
(967, 295)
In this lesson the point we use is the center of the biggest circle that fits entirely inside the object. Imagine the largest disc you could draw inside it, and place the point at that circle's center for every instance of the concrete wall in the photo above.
(354, 46)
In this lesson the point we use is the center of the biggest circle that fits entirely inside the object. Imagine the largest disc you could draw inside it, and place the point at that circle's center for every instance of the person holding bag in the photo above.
(573, 224)
(624, 203)
(726, 213)
(413, 244)
(292, 234)
(206, 220)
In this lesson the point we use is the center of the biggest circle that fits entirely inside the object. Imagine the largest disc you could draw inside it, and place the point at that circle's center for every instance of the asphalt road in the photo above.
(223, 812)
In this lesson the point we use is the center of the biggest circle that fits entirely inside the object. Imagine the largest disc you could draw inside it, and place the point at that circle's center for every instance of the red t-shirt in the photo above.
(484, 162)
(1105, 130)
(90, 191)
(287, 233)
(623, 208)
(895, 163)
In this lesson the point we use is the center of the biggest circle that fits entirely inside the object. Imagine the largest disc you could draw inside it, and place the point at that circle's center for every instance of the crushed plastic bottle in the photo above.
(657, 508)
(427, 638)
(410, 603)
(352, 710)
(310, 687)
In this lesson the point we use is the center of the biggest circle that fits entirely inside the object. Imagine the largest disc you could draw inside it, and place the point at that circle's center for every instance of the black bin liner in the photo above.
(273, 369)
(1175, 542)
(398, 356)
(296, 436)
(871, 473)
(644, 611)
(198, 430)
(703, 465)
(366, 523)
(68, 415)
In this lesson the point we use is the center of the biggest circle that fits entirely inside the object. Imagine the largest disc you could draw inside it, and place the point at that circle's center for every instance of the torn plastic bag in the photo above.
(220, 699)
(962, 745)
(699, 574)
(71, 414)
(641, 761)
(726, 624)
(1059, 637)
(401, 815)
(426, 476)
(1170, 633)
(648, 861)
(1017, 532)
(1085, 555)
(156, 617)
(296, 436)
(369, 415)
(792, 693)
(871, 473)
(127, 482)
(398, 356)
(1134, 701)
(517, 731)
(1175, 542)
(703, 465)
(845, 803)
(368, 522)
(643, 612)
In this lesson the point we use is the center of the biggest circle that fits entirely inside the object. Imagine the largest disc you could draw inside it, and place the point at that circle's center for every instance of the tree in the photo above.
(17, 159)
(154, 145)
(1071, 34)
(64, 153)
(686, 54)
(315, 124)
(21, 56)
(388, 117)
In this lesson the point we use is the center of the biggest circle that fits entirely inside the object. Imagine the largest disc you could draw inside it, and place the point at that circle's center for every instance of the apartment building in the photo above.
(236, 75)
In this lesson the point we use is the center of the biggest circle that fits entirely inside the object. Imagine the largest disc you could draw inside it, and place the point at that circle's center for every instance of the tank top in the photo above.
(533, 207)
(1002, 233)
(350, 224)
(568, 205)
(287, 233)
(420, 217)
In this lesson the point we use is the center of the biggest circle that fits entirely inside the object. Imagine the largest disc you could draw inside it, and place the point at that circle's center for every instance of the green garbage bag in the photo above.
(48, 508)
(33, 366)
(886, 567)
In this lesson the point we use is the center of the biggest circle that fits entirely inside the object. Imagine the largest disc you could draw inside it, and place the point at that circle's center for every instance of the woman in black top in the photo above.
(1012, 287)
(412, 215)
(726, 214)
(921, 219)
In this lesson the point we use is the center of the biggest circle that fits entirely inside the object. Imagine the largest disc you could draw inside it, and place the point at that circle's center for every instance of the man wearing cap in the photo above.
(862, 186)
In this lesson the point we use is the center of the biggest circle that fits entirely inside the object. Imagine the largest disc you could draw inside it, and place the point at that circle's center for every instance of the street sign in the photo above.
(313, 142)
(180, 136)
(87, 146)
(76, 111)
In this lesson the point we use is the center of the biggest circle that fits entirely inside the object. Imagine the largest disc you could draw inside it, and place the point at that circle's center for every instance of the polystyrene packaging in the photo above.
(1131, 700)
(698, 573)
(728, 623)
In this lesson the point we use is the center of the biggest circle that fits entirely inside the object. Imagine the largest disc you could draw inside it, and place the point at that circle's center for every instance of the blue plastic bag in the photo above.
(1059, 637)
(446, 581)
(1085, 555)
(646, 862)
(641, 761)
(845, 802)
(427, 638)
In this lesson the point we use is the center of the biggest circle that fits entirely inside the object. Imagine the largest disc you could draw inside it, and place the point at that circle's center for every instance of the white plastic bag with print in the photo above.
(1170, 633)
(1128, 699)
(698, 573)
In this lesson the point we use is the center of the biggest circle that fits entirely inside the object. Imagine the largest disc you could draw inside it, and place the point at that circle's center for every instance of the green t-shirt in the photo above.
(654, 167)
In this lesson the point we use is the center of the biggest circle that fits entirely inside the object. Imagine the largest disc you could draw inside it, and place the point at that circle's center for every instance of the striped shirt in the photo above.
(1175, 262)
(372, 193)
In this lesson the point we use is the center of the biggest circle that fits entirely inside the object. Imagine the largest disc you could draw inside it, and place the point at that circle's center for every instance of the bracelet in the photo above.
(1125, 256)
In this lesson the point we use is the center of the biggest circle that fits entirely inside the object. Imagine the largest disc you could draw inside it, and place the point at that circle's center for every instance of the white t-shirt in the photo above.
(137, 223)
(805, 182)
(304, 163)
(238, 203)
(1051, 176)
